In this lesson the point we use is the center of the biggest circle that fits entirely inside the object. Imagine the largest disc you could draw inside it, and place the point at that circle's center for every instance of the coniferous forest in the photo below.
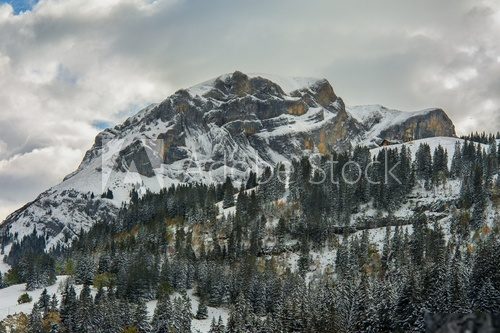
(253, 249)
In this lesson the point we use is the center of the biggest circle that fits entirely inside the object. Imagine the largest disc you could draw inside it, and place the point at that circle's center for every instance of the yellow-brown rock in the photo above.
(298, 109)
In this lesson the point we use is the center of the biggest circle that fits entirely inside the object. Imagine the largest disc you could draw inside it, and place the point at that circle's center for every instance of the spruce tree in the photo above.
(241, 319)
(202, 312)
(141, 318)
(84, 315)
(35, 324)
(456, 162)
(488, 299)
(54, 303)
(44, 302)
(163, 316)
(69, 307)
(423, 161)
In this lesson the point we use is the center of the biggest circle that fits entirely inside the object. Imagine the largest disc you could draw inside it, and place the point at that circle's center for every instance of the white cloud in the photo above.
(70, 63)
(23, 176)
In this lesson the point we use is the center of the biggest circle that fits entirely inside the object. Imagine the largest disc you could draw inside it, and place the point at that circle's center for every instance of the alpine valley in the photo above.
(260, 203)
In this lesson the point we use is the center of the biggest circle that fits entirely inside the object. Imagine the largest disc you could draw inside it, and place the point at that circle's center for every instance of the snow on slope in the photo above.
(3, 266)
(9, 296)
(202, 326)
(9, 306)
(288, 84)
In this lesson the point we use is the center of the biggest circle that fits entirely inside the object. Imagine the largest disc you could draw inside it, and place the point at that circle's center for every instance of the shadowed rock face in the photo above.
(236, 121)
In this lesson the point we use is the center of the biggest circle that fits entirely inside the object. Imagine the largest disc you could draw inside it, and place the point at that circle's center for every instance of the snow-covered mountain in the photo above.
(223, 127)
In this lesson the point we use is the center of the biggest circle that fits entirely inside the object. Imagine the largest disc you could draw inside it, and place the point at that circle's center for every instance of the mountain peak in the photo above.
(241, 83)
(221, 128)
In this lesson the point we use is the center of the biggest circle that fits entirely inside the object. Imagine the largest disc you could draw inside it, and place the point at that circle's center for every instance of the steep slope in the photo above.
(221, 128)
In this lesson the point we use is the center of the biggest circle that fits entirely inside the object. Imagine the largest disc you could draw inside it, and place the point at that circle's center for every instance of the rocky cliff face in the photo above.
(223, 127)
(380, 123)
(428, 124)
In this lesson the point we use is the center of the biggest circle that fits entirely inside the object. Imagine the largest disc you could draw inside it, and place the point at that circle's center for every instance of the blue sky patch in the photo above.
(20, 5)
(101, 124)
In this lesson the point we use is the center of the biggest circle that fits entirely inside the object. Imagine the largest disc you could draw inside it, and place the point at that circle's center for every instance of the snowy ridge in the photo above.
(288, 84)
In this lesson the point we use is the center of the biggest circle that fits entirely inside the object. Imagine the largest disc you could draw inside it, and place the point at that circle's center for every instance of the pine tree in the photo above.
(459, 302)
(213, 326)
(479, 198)
(69, 309)
(35, 321)
(365, 312)
(386, 252)
(408, 307)
(162, 318)
(440, 165)
(220, 326)
(84, 272)
(141, 318)
(488, 299)
(228, 200)
(417, 246)
(217, 326)
(456, 162)
(54, 303)
(346, 300)
(182, 316)
(202, 312)
(44, 302)
(423, 162)
(252, 180)
(241, 319)
(84, 314)
(384, 319)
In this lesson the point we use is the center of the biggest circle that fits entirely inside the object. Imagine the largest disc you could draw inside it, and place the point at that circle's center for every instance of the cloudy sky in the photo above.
(69, 68)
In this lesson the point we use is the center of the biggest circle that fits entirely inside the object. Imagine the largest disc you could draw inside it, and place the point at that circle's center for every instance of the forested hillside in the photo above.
(300, 248)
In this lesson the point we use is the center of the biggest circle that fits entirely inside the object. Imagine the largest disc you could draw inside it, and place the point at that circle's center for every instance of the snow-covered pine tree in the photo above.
(141, 318)
(84, 271)
(217, 326)
(241, 318)
(44, 302)
(488, 299)
(423, 162)
(479, 199)
(202, 312)
(54, 303)
(35, 324)
(456, 161)
(228, 194)
(84, 314)
(69, 307)
(163, 316)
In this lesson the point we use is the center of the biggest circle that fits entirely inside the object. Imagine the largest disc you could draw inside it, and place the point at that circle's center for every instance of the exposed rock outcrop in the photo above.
(428, 124)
